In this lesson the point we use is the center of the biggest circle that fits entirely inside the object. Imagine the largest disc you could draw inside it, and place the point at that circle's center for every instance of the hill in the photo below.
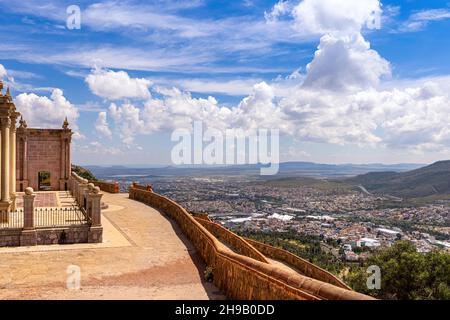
(427, 181)
(287, 169)
(84, 173)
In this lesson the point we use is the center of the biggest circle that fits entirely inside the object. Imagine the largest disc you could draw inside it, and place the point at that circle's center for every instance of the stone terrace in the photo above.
(143, 256)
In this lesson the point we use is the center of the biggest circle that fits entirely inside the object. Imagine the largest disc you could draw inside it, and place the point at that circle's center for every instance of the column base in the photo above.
(95, 235)
(5, 209)
(13, 202)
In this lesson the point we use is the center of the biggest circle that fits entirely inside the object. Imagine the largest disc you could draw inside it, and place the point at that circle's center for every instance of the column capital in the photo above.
(14, 121)
(5, 122)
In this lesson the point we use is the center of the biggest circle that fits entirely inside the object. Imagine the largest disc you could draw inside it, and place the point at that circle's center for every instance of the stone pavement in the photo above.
(144, 256)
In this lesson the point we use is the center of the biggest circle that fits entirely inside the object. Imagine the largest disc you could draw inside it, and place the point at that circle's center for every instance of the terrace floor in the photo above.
(143, 256)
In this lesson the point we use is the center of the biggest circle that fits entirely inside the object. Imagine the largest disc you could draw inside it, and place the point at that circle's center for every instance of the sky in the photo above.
(344, 81)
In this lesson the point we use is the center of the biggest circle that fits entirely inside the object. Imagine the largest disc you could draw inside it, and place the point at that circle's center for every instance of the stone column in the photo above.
(28, 209)
(5, 195)
(82, 189)
(12, 162)
(25, 159)
(90, 191)
(28, 236)
(95, 198)
(62, 172)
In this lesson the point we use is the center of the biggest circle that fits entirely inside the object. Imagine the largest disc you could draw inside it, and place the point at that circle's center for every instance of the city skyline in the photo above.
(369, 87)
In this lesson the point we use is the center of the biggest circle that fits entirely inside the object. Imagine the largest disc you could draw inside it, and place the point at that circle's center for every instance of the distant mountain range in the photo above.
(287, 169)
(426, 181)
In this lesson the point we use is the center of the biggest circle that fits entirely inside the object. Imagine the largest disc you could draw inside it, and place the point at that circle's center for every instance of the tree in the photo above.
(406, 274)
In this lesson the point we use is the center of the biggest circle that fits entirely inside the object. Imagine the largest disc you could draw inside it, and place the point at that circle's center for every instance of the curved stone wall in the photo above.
(110, 187)
(305, 267)
(231, 239)
(238, 276)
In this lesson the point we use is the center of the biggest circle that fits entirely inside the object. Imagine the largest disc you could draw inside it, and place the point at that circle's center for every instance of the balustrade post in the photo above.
(28, 237)
(95, 198)
(96, 230)
(28, 209)
(89, 194)
(82, 188)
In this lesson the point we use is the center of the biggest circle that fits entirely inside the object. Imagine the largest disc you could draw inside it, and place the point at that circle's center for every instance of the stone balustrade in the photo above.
(110, 187)
(239, 276)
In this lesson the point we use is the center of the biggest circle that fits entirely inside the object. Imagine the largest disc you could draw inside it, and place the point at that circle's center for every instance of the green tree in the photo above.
(405, 273)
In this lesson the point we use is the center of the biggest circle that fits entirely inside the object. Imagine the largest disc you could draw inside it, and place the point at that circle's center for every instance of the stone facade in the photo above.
(43, 151)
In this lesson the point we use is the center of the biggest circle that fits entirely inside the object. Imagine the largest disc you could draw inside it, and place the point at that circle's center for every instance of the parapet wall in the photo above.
(236, 243)
(110, 187)
(239, 276)
(303, 266)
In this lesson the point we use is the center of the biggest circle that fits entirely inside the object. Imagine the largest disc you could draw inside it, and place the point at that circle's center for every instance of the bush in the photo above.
(209, 274)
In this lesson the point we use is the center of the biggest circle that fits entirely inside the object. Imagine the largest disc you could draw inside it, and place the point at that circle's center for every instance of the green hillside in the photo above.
(84, 173)
(427, 181)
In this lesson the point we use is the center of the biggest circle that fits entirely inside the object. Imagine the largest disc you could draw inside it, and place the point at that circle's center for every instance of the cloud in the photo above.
(44, 112)
(96, 148)
(3, 72)
(312, 17)
(345, 63)
(280, 9)
(113, 85)
(231, 87)
(101, 125)
(420, 19)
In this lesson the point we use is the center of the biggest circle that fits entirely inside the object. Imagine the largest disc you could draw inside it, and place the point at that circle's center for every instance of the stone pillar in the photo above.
(89, 193)
(12, 162)
(95, 198)
(5, 195)
(28, 209)
(25, 159)
(82, 189)
(28, 237)
(62, 172)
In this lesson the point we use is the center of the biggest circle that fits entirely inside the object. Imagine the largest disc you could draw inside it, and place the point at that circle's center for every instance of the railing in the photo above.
(241, 277)
(59, 217)
(107, 186)
(11, 220)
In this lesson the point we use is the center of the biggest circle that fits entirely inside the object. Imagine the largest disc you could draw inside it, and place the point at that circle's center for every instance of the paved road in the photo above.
(144, 256)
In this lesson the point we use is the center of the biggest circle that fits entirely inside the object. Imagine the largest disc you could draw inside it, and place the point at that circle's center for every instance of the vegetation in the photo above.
(307, 247)
(84, 173)
(209, 274)
(405, 273)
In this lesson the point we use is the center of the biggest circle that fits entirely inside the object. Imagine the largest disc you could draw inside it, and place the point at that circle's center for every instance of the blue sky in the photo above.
(369, 94)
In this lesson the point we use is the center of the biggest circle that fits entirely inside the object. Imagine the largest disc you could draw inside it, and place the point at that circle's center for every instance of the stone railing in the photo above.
(88, 197)
(231, 239)
(32, 226)
(303, 266)
(241, 277)
(110, 187)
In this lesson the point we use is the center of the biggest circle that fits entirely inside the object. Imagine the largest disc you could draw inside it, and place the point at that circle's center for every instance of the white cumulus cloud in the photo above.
(101, 125)
(113, 85)
(45, 112)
